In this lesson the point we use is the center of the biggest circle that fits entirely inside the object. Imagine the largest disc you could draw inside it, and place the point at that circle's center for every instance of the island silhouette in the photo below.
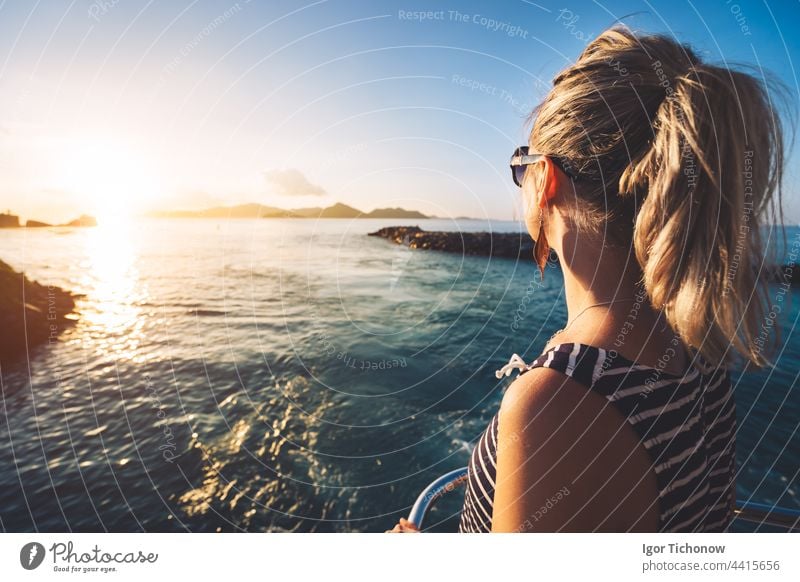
(254, 210)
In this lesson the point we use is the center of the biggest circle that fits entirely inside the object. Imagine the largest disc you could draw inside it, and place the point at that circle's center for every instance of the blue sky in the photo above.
(124, 106)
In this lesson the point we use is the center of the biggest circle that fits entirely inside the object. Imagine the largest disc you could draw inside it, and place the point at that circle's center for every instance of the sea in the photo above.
(291, 375)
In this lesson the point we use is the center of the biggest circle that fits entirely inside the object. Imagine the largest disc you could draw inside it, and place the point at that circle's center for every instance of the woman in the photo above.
(648, 173)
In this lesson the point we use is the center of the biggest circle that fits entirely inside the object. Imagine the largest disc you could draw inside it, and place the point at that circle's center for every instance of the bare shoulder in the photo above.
(541, 395)
(565, 420)
(555, 434)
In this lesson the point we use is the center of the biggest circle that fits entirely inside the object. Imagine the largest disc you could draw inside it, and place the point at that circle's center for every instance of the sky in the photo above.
(122, 106)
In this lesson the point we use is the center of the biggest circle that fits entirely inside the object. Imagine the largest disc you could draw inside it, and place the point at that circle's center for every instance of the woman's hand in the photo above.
(404, 526)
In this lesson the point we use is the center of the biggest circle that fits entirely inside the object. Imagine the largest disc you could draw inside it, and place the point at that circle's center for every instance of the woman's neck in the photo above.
(596, 273)
(590, 277)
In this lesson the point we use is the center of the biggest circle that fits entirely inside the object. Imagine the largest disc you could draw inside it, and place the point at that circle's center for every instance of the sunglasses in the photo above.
(522, 158)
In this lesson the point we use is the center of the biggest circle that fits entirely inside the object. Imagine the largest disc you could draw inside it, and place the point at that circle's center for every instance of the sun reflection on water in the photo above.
(113, 288)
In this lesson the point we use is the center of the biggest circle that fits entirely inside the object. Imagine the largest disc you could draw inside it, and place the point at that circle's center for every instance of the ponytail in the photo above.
(709, 176)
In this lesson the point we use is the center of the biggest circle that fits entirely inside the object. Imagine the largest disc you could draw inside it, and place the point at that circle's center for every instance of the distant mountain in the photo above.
(240, 211)
(338, 210)
(83, 220)
(394, 213)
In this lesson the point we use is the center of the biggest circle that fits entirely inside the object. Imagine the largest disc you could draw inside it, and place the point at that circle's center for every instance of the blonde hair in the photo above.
(679, 159)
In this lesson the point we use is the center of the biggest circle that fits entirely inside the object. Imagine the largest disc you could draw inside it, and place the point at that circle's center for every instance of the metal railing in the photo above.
(434, 492)
(764, 514)
(759, 513)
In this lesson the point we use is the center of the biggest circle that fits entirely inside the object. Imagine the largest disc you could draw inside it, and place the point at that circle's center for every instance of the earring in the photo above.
(541, 248)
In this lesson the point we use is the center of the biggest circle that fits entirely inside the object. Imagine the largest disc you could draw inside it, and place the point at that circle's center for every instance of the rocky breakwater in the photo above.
(514, 246)
(488, 244)
(30, 313)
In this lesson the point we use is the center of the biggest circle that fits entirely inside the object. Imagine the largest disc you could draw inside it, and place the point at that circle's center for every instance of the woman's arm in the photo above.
(553, 456)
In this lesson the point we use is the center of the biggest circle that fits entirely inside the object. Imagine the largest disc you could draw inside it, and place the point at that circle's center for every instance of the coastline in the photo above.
(31, 313)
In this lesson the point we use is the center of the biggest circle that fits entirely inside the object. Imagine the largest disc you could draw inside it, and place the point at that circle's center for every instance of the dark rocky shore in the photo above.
(488, 244)
(29, 310)
(512, 246)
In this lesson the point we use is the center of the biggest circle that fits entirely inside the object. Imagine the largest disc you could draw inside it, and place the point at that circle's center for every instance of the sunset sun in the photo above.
(109, 180)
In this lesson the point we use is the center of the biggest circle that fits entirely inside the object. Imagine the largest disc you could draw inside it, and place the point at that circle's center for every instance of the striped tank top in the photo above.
(686, 423)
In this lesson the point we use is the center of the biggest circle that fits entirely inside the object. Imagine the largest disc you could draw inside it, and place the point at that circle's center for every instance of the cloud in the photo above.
(292, 182)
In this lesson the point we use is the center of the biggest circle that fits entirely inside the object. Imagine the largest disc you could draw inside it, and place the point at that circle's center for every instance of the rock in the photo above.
(29, 310)
(8, 220)
(489, 244)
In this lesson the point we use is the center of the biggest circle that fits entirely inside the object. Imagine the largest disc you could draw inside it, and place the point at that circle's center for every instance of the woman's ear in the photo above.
(549, 184)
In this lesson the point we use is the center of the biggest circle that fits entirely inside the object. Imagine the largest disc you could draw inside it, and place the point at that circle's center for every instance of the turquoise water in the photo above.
(287, 375)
